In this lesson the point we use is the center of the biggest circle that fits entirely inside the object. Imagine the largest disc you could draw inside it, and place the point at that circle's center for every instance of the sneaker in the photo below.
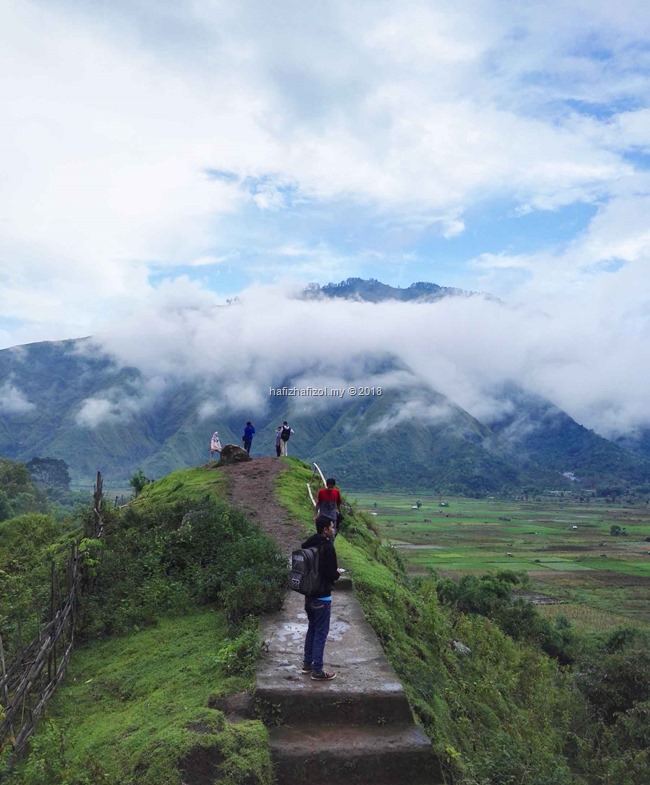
(306, 669)
(322, 676)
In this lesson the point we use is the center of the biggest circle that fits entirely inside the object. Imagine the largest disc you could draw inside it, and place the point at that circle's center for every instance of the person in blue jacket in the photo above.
(249, 432)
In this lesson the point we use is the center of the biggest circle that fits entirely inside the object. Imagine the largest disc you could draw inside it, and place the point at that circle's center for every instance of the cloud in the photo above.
(418, 410)
(13, 401)
(157, 161)
(584, 349)
(191, 135)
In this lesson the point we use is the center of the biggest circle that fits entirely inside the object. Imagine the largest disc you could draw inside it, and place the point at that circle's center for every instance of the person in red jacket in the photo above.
(328, 502)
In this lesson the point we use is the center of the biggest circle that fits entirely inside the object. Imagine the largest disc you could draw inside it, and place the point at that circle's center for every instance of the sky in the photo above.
(160, 159)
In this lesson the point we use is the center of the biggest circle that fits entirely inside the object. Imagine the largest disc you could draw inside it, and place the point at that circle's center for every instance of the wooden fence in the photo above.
(30, 679)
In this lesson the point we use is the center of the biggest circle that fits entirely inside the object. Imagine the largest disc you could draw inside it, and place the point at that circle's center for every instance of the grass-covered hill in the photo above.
(170, 638)
(67, 400)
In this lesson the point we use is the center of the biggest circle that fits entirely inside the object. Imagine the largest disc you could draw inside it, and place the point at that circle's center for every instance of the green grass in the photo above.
(292, 491)
(133, 707)
(194, 483)
(474, 536)
(137, 709)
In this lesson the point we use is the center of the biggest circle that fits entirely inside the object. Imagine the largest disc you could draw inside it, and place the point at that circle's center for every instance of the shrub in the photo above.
(164, 557)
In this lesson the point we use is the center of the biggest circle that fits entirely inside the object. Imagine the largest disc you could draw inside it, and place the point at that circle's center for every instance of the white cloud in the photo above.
(110, 125)
(13, 401)
(414, 411)
(585, 349)
(249, 142)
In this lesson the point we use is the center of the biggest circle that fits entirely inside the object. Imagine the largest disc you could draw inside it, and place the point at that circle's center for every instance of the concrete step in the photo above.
(354, 755)
(357, 728)
(366, 688)
(334, 701)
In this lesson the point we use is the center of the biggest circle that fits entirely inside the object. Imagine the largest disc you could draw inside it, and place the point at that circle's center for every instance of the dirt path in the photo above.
(251, 486)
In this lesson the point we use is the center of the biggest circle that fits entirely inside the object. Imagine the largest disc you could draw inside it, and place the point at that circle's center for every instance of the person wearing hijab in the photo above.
(215, 445)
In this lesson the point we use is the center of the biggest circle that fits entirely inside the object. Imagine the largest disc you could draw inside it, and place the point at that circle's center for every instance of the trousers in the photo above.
(318, 614)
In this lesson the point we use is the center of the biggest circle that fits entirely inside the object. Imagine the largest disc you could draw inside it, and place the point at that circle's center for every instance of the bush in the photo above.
(28, 546)
(163, 558)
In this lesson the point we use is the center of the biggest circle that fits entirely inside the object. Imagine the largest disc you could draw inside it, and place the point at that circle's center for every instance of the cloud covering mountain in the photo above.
(161, 159)
(385, 392)
(466, 348)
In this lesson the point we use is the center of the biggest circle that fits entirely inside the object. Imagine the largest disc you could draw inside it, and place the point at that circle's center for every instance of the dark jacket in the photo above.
(327, 563)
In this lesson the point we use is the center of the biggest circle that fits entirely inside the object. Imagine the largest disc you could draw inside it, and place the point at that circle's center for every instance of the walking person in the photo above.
(247, 438)
(284, 437)
(328, 503)
(215, 445)
(278, 441)
(319, 606)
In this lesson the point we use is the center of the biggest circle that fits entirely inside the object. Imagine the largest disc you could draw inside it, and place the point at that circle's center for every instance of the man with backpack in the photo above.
(284, 438)
(318, 605)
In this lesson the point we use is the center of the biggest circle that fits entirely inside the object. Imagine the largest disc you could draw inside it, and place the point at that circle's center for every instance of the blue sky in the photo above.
(488, 145)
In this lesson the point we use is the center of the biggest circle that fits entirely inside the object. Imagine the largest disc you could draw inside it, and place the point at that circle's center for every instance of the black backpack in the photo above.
(286, 433)
(304, 575)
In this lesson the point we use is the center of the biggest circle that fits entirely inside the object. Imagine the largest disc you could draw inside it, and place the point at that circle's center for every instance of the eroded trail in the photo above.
(252, 487)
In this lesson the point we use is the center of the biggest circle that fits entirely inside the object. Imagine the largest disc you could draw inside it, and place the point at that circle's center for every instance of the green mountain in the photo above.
(65, 400)
(373, 291)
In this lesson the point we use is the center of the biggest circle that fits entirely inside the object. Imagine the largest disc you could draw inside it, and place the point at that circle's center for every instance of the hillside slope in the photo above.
(169, 638)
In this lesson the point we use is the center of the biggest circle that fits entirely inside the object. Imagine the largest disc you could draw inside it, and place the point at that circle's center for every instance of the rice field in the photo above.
(598, 580)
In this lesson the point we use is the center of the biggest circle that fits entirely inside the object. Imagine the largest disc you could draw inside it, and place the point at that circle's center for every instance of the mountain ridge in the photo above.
(70, 400)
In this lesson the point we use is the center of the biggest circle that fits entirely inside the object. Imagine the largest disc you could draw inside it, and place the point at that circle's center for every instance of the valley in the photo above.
(576, 566)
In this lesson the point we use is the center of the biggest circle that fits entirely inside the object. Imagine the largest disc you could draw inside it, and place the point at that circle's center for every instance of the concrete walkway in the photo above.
(357, 728)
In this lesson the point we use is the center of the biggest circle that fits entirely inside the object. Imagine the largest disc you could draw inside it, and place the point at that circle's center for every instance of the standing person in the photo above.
(278, 441)
(215, 445)
(328, 502)
(285, 436)
(319, 607)
(247, 438)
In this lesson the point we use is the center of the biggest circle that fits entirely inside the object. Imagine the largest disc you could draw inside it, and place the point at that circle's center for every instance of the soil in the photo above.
(251, 487)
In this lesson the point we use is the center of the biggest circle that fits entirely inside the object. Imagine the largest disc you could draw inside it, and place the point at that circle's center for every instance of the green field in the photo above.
(575, 565)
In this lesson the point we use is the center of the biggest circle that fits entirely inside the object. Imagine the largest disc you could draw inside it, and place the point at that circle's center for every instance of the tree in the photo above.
(49, 471)
(138, 481)
(18, 494)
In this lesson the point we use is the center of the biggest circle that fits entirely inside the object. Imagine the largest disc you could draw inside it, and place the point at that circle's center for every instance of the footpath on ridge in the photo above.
(356, 729)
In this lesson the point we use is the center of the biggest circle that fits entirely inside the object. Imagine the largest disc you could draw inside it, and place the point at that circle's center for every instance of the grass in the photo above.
(141, 708)
(584, 565)
(133, 708)
(195, 483)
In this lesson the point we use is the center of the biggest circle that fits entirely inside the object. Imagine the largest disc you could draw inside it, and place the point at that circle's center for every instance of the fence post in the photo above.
(97, 508)
(23, 692)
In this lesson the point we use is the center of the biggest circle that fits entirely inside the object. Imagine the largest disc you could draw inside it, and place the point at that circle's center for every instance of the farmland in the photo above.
(576, 566)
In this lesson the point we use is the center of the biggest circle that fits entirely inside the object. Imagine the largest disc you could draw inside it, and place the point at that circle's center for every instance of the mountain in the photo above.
(411, 439)
(373, 291)
(638, 442)
(69, 400)
(545, 436)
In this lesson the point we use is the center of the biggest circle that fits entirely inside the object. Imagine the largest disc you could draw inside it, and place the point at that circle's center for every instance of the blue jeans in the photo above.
(247, 445)
(318, 613)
